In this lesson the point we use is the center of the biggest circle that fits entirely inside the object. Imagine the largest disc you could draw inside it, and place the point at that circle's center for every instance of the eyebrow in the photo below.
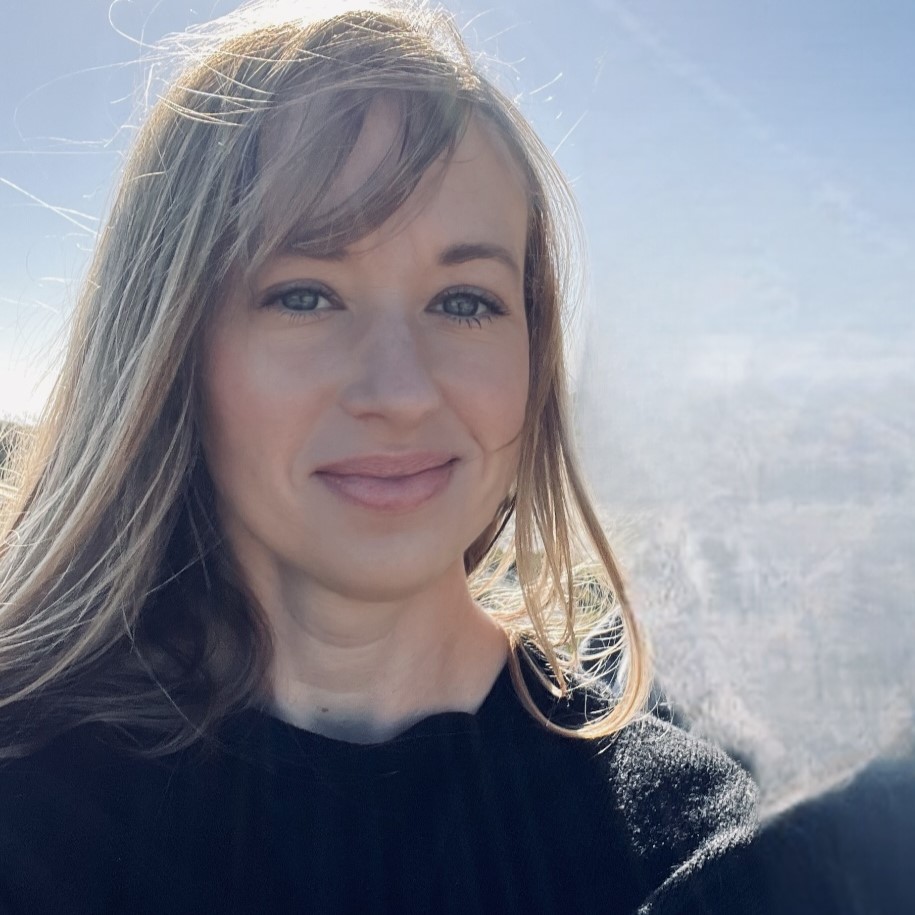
(472, 251)
(451, 256)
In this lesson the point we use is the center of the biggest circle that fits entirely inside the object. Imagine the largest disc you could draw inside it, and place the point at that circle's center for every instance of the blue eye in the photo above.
(463, 306)
(468, 306)
(301, 301)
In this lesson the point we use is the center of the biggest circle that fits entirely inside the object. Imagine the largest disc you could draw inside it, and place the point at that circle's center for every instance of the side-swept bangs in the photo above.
(287, 106)
(287, 203)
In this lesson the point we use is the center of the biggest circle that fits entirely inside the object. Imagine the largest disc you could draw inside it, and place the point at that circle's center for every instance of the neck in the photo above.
(363, 671)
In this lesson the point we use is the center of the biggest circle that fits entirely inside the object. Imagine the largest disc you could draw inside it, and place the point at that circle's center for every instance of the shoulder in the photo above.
(54, 831)
(677, 785)
(64, 816)
(688, 814)
(682, 812)
(674, 786)
(657, 770)
(80, 775)
(681, 795)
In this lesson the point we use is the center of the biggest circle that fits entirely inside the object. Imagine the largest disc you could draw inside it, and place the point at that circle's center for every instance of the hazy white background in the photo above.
(745, 356)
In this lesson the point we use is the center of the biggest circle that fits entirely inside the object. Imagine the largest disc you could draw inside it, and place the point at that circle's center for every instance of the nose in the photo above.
(391, 376)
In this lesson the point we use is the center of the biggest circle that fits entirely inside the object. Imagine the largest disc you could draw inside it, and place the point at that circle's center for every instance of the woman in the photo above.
(296, 599)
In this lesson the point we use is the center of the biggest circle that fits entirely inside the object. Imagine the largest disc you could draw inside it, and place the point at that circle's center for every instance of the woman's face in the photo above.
(412, 341)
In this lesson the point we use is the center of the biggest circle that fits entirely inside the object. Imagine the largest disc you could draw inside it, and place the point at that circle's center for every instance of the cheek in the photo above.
(490, 393)
(259, 399)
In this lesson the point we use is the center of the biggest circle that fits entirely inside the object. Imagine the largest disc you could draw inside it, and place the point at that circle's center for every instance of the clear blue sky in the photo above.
(742, 168)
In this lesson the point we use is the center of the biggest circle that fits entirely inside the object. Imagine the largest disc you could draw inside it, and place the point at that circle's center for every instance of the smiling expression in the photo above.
(414, 339)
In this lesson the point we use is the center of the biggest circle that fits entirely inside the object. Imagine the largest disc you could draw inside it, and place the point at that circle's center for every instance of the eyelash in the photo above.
(495, 308)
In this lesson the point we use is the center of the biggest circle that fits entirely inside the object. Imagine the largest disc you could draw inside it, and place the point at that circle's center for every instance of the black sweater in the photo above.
(461, 813)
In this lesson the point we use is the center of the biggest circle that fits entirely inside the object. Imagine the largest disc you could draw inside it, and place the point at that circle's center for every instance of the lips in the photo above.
(389, 483)
(387, 465)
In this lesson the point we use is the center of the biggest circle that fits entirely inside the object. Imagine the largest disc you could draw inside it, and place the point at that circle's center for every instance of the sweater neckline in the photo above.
(265, 739)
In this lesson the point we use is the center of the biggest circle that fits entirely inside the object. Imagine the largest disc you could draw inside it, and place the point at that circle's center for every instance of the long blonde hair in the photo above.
(118, 602)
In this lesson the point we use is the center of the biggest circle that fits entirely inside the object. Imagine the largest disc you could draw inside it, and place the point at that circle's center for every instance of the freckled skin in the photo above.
(377, 365)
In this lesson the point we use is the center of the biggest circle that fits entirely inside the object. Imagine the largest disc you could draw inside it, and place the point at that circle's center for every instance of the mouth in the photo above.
(389, 492)
(388, 465)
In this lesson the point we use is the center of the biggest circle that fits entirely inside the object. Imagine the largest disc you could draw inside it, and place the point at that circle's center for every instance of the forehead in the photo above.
(472, 187)
(476, 193)
(479, 160)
